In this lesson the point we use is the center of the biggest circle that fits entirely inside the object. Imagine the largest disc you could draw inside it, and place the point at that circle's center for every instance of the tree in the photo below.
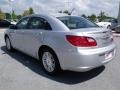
(65, 12)
(60, 11)
(92, 18)
(14, 16)
(19, 17)
(0, 11)
(31, 11)
(25, 13)
(8, 16)
(102, 16)
(83, 15)
(2, 15)
(28, 12)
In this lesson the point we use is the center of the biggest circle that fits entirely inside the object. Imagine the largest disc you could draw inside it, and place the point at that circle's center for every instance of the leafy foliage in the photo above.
(83, 15)
(2, 15)
(93, 18)
(14, 16)
(28, 12)
(102, 16)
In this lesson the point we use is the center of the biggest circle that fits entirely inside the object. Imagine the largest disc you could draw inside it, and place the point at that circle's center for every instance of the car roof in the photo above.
(52, 15)
(56, 24)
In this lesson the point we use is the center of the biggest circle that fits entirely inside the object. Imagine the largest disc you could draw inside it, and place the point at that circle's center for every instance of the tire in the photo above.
(8, 44)
(50, 61)
(108, 27)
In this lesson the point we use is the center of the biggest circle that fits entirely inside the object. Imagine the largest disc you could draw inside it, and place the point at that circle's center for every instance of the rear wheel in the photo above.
(50, 61)
(8, 44)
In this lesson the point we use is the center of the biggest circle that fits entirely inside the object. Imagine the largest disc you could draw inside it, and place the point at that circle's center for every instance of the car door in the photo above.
(17, 35)
(34, 35)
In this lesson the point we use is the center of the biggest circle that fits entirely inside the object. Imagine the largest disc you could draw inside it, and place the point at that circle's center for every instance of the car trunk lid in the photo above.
(102, 36)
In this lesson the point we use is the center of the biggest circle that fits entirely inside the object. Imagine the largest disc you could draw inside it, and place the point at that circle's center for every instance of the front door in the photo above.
(34, 35)
(17, 35)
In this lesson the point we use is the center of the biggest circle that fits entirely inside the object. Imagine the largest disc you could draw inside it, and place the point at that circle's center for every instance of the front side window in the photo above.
(73, 22)
(22, 24)
(38, 23)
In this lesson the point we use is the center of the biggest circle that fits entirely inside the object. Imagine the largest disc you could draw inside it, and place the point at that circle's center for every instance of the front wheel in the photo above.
(8, 44)
(108, 27)
(50, 61)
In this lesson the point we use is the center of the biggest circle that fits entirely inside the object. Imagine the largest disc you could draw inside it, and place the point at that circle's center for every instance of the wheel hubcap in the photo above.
(48, 61)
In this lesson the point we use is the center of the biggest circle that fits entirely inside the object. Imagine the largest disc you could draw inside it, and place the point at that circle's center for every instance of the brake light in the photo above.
(81, 41)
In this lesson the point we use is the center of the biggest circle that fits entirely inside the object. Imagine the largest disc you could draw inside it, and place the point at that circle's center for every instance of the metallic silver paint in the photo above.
(70, 57)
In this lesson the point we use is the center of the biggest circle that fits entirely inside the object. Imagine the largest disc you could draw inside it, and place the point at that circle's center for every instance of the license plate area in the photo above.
(109, 55)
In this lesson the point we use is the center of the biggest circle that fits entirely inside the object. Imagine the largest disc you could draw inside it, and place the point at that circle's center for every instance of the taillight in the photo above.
(81, 41)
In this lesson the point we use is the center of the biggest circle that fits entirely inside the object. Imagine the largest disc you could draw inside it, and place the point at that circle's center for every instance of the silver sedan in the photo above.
(62, 43)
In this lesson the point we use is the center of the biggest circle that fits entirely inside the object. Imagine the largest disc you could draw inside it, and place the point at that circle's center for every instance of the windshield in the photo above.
(73, 22)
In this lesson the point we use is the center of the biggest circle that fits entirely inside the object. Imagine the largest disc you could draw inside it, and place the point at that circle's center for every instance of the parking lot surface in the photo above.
(21, 72)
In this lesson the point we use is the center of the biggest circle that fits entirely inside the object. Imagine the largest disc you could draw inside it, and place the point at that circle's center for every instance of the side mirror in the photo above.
(12, 27)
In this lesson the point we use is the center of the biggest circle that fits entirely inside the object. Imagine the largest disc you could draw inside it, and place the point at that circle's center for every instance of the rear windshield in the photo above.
(73, 22)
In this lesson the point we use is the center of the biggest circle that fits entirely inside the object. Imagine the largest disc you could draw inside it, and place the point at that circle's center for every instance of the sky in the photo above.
(88, 7)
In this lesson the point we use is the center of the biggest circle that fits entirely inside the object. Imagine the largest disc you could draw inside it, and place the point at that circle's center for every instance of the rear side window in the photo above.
(73, 22)
(22, 24)
(38, 23)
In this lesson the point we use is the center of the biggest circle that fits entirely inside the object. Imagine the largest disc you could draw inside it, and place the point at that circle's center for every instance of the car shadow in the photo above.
(66, 77)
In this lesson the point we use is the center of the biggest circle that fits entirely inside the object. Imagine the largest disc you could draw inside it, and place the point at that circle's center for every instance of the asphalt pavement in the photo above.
(21, 72)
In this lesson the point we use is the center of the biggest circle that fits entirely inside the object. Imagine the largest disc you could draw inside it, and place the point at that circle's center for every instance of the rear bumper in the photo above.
(86, 59)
